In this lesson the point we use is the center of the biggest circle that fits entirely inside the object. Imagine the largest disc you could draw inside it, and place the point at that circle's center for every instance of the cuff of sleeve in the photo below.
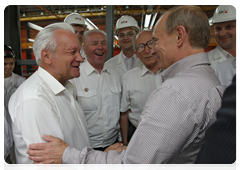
(71, 155)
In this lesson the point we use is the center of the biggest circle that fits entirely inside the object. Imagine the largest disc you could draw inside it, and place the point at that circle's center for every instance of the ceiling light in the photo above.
(115, 37)
(90, 24)
(147, 20)
(153, 20)
(30, 40)
(34, 26)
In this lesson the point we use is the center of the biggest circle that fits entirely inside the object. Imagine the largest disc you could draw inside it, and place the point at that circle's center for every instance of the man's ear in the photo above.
(181, 35)
(46, 56)
(135, 52)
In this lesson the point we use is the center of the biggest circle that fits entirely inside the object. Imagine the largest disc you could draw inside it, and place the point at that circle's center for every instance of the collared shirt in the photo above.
(10, 86)
(8, 139)
(174, 120)
(99, 95)
(218, 55)
(129, 62)
(226, 70)
(138, 84)
(42, 105)
(117, 63)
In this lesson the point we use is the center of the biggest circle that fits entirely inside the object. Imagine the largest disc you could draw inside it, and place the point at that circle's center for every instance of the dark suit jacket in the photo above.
(220, 139)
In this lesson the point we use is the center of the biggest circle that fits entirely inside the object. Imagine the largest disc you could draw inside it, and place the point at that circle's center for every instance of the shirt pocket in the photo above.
(88, 100)
(115, 95)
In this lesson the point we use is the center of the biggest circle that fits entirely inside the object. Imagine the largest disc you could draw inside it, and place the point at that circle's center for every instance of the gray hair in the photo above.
(86, 34)
(194, 20)
(45, 39)
(134, 38)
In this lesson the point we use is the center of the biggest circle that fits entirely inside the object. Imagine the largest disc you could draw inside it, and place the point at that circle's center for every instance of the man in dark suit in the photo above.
(220, 141)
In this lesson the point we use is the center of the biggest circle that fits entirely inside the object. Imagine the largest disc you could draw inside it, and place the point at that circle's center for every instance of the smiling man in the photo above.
(223, 57)
(46, 102)
(176, 115)
(138, 84)
(224, 21)
(126, 29)
(99, 92)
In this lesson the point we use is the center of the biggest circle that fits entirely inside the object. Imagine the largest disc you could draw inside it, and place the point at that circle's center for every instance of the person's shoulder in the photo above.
(135, 70)
(113, 60)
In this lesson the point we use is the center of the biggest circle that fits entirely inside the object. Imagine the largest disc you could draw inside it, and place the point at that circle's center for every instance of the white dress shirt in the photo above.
(138, 84)
(8, 139)
(117, 62)
(218, 55)
(42, 105)
(174, 120)
(226, 70)
(99, 95)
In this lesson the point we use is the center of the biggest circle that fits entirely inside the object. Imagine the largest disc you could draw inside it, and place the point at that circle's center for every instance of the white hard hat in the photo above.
(224, 13)
(126, 21)
(75, 18)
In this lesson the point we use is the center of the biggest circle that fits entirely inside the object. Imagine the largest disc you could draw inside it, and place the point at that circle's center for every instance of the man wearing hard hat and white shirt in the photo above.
(78, 24)
(126, 29)
(223, 57)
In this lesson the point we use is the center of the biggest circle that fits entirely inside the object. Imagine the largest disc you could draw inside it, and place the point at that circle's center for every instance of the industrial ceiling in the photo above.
(46, 14)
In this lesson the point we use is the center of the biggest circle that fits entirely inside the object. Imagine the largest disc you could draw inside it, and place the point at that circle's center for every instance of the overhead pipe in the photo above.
(119, 9)
(48, 12)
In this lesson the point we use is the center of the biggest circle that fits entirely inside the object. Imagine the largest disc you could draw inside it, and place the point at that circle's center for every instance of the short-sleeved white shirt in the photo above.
(99, 95)
(138, 84)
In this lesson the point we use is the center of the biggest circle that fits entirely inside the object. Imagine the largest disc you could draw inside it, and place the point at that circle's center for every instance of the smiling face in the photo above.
(9, 64)
(164, 45)
(95, 48)
(146, 56)
(225, 34)
(125, 36)
(66, 59)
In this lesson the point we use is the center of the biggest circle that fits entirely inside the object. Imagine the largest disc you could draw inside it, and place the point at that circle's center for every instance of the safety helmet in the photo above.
(126, 21)
(8, 52)
(75, 18)
(224, 13)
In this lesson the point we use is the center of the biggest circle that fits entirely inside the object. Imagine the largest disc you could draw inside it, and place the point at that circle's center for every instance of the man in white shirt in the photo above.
(79, 26)
(11, 82)
(99, 92)
(138, 84)
(226, 71)
(126, 29)
(177, 114)
(46, 102)
(224, 21)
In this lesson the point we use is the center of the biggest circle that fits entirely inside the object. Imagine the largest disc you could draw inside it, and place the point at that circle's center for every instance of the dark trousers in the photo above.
(8, 164)
(131, 130)
(103, 149)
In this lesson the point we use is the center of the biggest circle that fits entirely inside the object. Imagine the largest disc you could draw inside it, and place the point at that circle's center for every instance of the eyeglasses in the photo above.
(141, 47)
(129, 34)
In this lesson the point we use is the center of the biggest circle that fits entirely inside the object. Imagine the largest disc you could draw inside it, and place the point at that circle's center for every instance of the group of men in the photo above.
(153, 102)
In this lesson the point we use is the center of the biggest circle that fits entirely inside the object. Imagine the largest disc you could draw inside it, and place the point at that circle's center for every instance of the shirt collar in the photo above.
(134, 57)
(224, 52)
(53, 83)
(89, 68)
(144, 70)
(185, 63)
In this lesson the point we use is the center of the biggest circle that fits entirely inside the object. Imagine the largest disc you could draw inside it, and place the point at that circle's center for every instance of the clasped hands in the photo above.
(52, 151)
